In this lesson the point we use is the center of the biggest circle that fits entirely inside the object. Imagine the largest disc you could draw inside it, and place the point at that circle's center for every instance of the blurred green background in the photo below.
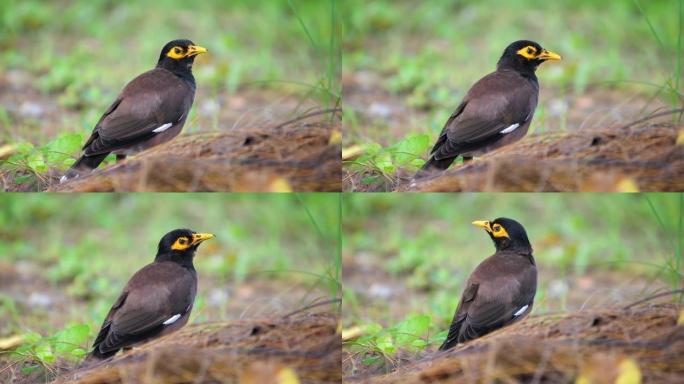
(406, 256)
(407, 64)
(63, 62)
(65, 258)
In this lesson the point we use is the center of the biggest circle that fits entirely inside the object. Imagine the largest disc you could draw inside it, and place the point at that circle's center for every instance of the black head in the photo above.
(525, 56)
(180, 245)
(178, 56)
(507, 234)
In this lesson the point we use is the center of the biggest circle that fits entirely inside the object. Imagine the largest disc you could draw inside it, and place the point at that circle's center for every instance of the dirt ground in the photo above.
(583, 142)
(646, 157)
(295, 157)
(386, 297)
(260, 300)
(251, 140)
(304, 347)
(597, 346)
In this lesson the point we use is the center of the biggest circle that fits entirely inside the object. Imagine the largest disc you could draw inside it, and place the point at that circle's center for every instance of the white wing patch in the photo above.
(510, 129)
(520, 311)
(177, 316)
(167, 126)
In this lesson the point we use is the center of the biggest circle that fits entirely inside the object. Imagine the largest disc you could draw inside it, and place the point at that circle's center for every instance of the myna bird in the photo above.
(501, 289)
(150, 110)
(496, 111)
(158, 298)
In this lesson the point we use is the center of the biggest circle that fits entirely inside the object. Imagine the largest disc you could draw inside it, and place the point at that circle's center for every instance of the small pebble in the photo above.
(38, 299)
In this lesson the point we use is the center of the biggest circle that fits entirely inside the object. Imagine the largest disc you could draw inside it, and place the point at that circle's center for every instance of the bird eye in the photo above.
(497, 227)
(177, 51)
(529, 50)
(182, 241)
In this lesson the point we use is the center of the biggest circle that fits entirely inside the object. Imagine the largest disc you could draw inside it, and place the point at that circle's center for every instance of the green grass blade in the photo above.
(303, 26)
(311, 218)
(650, 26)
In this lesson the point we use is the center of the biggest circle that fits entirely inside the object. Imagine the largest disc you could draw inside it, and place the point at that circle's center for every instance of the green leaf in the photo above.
(416, 324)
(78, 352)
(364, 160)
(365, 340)
(412, 147)
(60, 149)
(29, 369)
(24, 148)
(36, 162)
(44, 353)
(440, 337)
(370, 180)
(77, 333)
(21, 179)
(384, 162)
(373, 149)
(411, 329)
(417, 162)
(373, 329)
(385, 343)
(22, 350)
(70, 338)
(32, 337)
(370, 360)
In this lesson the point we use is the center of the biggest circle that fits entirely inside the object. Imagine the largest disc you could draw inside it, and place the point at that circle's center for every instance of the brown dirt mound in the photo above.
(641, 157)
(301, 156)
(305, 346)
(596, 346)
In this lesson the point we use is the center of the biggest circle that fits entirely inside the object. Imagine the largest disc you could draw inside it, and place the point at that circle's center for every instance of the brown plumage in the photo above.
(496, 111)
(150, 110)
(501, 290)
(158, 298)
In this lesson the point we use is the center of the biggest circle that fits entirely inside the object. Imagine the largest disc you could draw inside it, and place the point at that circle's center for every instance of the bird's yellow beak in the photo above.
(484, 224)
(548, 55)
(200, 237)
(194, 50)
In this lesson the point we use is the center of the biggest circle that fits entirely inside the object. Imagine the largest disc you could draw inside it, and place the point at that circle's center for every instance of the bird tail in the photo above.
(95, 357)
(97, 352)
(441, 164)
(83, 165)
(453, 336)
(433, 165)
(447, 344)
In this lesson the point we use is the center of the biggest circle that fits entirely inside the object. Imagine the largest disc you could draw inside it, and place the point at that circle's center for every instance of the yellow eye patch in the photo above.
(176, 53)
(181, 244)
(531, 53)
(499, 231)
(528, 52)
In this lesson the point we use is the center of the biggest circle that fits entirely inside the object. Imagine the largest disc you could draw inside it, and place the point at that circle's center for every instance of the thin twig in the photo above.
(647, 118)
(316, 113)
(676, 291)
(11, 365)
(331, 301)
